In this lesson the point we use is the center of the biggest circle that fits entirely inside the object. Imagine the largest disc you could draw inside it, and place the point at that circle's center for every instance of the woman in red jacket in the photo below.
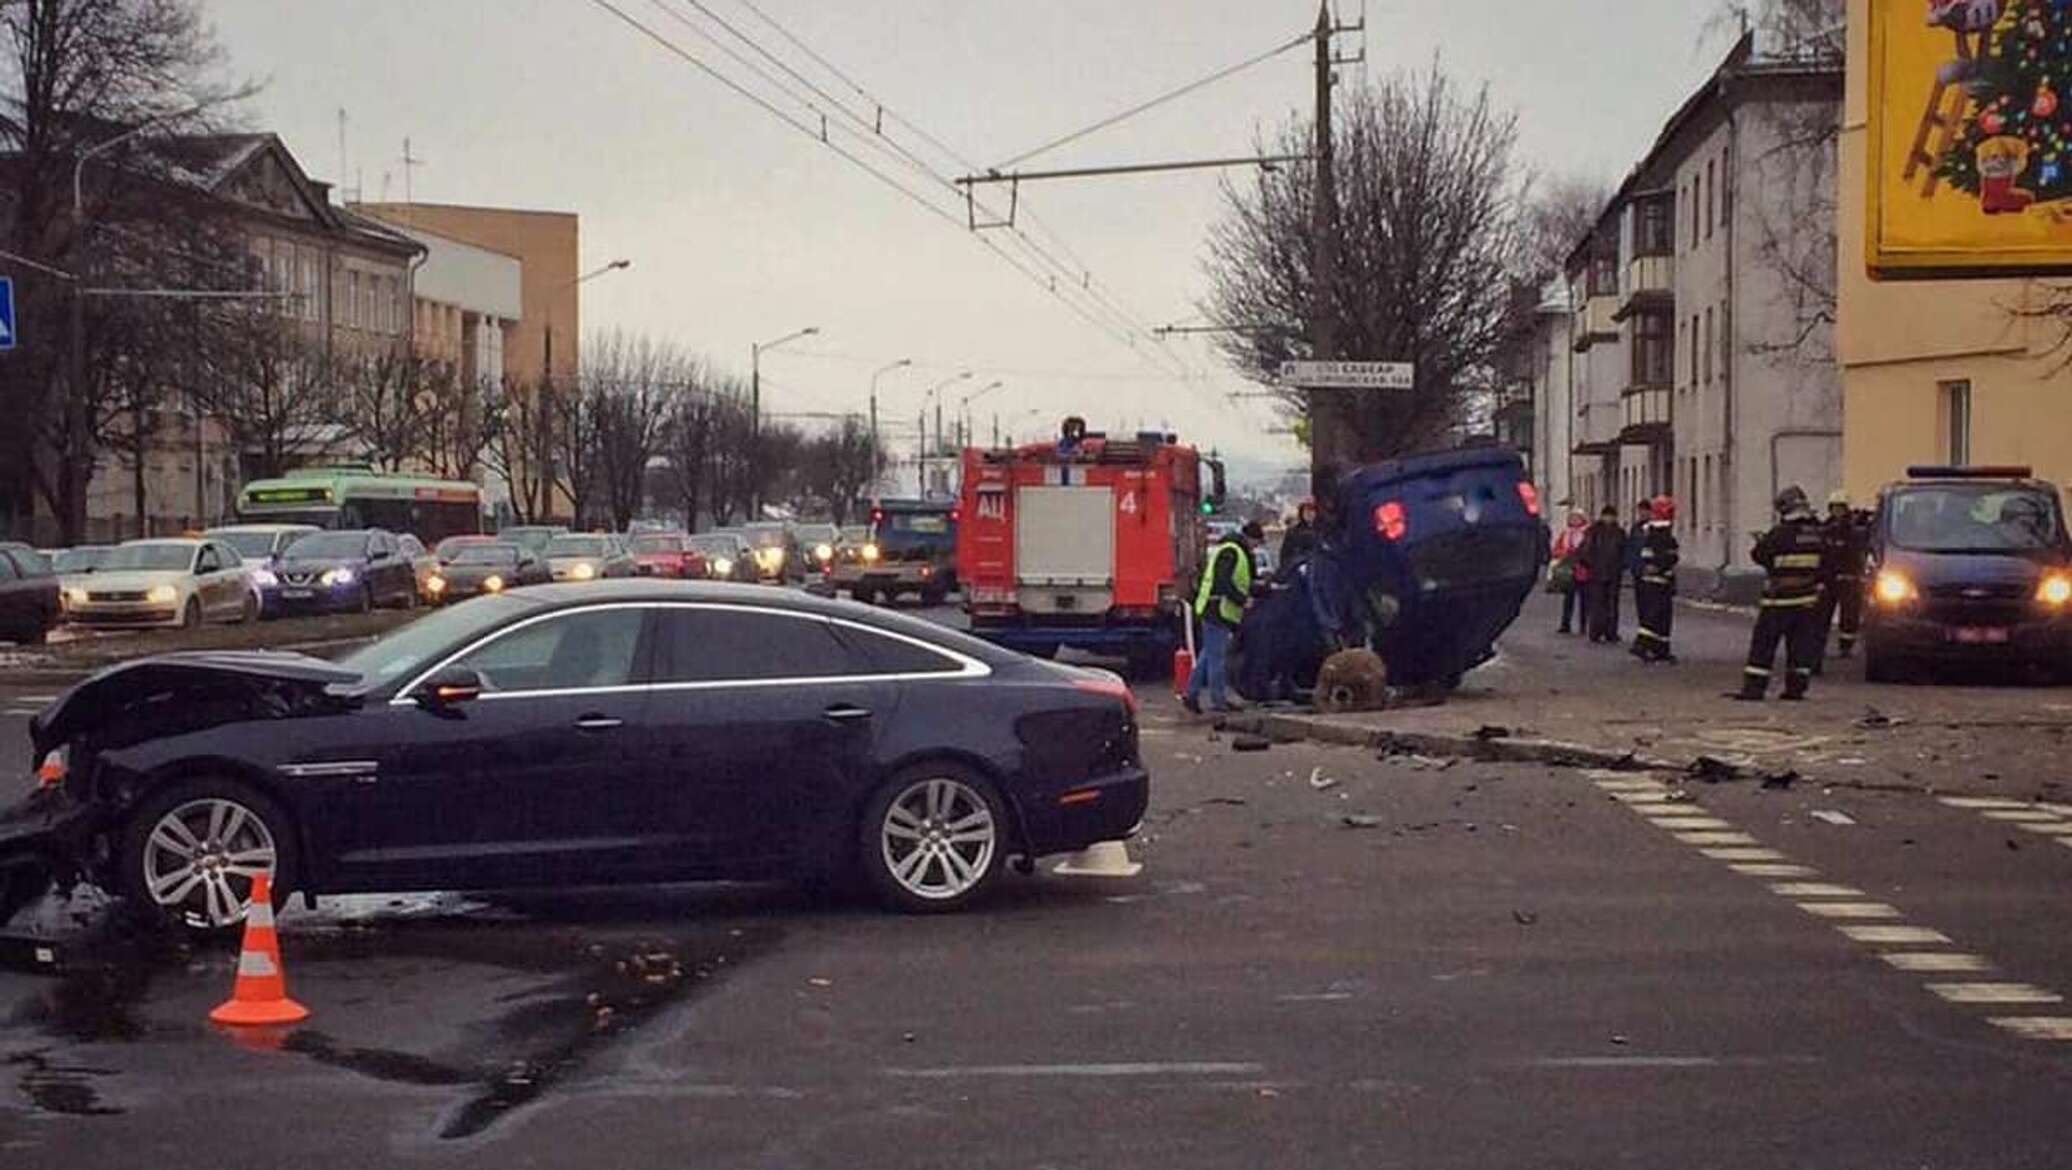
(1568, 547)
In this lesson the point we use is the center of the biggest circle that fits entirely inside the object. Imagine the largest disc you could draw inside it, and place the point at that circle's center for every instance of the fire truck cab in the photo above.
(1086, 541)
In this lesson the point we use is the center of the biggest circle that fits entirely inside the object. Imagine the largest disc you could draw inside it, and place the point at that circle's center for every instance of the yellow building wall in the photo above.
(1899, 340)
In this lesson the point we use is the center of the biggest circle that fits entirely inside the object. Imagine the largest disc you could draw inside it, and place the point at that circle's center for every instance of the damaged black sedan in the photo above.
(611, 732)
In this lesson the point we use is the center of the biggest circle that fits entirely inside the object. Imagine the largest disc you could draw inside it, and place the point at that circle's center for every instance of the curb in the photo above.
(1554, 752)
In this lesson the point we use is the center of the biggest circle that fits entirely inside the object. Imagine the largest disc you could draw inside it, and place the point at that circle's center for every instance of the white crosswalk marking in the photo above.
(1740, 854)
(2033, 815)
(1936, 961)
(1994, 993)
(1716, 839)
(2053, 828)
(1975, 802)
(2037, 1027)
(1694, 824)
(1896, 935)
(1764, 869)
(1815, 890)
(1849, 909)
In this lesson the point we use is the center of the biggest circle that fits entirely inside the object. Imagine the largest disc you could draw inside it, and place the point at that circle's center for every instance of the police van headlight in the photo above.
(2055, 591)
(1894, 588)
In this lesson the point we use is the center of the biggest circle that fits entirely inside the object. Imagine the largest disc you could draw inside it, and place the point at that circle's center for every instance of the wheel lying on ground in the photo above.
(1352, 680)
(933, 839)
(191, 850)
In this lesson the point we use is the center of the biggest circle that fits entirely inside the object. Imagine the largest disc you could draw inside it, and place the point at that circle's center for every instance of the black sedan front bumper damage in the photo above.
(51, 848)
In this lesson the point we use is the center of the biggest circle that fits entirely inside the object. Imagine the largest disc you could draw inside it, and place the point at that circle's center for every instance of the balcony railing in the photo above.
(1646, 413)
(1597, 320)
(1650, 283)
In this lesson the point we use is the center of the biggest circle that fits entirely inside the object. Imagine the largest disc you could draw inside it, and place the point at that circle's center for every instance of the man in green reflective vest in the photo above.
(1219, 606)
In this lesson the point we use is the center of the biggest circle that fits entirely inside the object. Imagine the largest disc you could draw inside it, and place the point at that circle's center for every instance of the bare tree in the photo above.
(272, 387)
(630, 384)
(457, 421)
(74, 75)
(1429, 239)
(571, 449)
(733, 464)
(513, 429)
(689, 441)
(841, 466)
(1558, 214)
(386, 406)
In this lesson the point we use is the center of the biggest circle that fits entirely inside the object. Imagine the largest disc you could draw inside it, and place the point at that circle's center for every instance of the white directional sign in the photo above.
(1349, 375)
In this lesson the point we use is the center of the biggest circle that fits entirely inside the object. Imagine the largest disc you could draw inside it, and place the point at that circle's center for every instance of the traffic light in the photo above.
(1208, 507)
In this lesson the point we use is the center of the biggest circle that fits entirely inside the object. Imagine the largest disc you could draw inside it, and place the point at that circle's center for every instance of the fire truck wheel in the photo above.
(862, 596)
(1352, 680)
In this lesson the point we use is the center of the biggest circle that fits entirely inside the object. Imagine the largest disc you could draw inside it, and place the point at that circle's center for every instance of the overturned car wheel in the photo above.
(1352, 680)
(191, 851)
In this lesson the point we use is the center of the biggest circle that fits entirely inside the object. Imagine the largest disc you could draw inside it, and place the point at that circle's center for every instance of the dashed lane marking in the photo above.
(1903, 946)
(1941, 962)
(1995, 993)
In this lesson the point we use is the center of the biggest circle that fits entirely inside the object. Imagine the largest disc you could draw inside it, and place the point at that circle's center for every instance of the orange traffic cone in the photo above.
(260, 995)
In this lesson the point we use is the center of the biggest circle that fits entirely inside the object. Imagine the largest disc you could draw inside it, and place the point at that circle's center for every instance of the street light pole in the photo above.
(755, 414)
(931, 396)
(964, 410)
(545, 399)
(879, 373)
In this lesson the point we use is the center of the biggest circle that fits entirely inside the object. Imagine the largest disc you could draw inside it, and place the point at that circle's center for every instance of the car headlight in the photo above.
(870, 552)
(583, 571)
(337, 577)
(265, 578)
(435, 584)
(722, 566)
(75, 597)
(825, 552)
(492, 584)
(2055, 590)
(1893, 588)
(162, 595)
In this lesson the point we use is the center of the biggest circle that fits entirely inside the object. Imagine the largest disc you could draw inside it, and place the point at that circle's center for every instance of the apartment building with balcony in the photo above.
(1701, 326)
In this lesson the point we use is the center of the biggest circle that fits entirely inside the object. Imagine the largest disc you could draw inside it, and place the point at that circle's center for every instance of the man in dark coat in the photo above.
(1604, 556)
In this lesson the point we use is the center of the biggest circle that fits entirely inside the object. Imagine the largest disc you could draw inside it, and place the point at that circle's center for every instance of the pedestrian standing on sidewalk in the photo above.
(1567, 559)
(1604, 558)
(1794, 554)
(1219, 606)
(1848, 548)
(1654, 591)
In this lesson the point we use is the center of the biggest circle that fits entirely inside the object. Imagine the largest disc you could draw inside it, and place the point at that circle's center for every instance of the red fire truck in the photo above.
(1087, 541)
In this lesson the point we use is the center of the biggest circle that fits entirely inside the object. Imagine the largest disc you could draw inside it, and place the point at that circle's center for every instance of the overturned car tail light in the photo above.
(57, 762)
(1391, 520)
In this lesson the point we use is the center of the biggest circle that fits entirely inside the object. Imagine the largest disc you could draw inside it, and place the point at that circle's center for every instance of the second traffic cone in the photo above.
(260, 995)
(1101, 859)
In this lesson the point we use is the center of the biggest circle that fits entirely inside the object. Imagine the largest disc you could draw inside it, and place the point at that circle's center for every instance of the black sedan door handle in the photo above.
(599, 723)
(845, 714)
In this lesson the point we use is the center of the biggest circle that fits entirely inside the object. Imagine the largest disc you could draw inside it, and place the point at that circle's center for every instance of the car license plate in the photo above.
(1979, 635)
(298, 594)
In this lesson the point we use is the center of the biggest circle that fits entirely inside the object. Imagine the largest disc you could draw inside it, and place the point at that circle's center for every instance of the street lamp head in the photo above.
(620, 264)
(810, 331)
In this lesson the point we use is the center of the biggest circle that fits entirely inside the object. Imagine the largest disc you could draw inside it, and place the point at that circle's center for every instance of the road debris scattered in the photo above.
(1360, 821)
(1831, 816)
(1319, 781)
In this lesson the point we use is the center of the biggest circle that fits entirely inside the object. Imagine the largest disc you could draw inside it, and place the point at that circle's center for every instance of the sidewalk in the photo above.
(1560, 698)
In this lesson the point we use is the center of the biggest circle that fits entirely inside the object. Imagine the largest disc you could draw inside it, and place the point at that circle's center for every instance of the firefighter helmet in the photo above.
(1664, 507)
(1792, 500)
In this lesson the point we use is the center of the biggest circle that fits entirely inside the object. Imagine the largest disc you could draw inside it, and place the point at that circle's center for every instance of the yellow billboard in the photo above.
(1970, 138)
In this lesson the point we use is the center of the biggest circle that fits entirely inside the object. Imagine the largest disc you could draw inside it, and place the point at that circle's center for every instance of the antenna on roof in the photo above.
(410, 162)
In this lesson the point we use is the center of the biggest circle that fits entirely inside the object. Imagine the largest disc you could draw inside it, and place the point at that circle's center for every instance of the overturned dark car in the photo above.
(612, 732)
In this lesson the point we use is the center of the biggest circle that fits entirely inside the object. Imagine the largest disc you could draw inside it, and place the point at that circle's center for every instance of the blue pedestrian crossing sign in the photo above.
(6, 313)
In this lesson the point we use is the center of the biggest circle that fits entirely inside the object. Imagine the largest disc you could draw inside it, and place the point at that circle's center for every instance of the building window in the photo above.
(1711, 193)
(1705, 481)
(1708, 347)
(1654, 227)
(1694, 211)
(352, 298)
(1956, 419)
(1654, 353)
(1726, 184)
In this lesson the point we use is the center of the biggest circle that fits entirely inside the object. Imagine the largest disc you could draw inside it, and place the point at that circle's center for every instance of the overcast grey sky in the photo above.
(742, 229)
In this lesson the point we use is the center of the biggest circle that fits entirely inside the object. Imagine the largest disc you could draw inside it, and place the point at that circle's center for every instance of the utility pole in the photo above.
(876, 451)
(755, 413)
(1324, 436)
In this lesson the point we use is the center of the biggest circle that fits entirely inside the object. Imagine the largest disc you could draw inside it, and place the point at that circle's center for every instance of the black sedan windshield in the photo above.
(1974, 519)
(420, 643)
(322, 546)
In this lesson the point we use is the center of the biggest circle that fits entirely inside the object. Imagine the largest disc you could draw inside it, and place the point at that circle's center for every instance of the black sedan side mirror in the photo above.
(450, 688)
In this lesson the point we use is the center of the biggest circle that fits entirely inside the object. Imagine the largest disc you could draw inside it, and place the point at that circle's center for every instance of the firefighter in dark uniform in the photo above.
(1654, 589)
(1795, 556)
(1848, 546)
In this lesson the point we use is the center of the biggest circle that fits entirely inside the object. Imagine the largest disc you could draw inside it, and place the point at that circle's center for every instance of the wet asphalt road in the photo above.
(1329, 960)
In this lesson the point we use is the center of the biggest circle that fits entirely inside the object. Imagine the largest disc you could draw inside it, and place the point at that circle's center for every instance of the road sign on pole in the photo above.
(1348, 375)
(6, 313)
